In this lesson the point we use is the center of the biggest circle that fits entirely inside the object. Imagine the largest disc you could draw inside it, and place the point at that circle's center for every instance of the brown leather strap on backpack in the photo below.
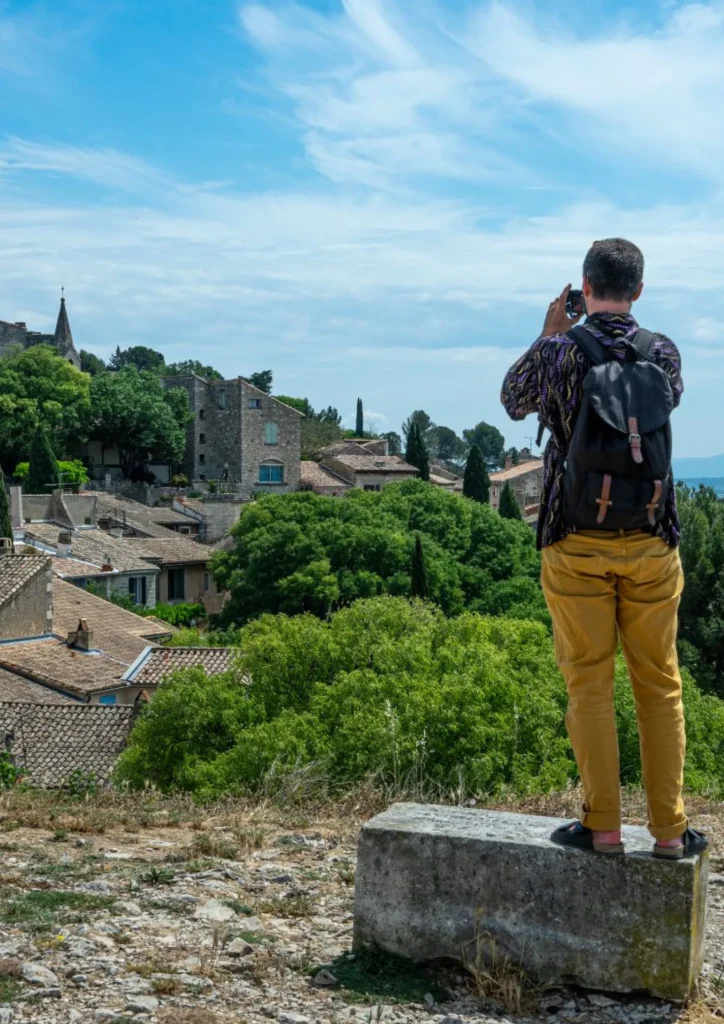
(604, 502)
(655, 501)
(634, 439)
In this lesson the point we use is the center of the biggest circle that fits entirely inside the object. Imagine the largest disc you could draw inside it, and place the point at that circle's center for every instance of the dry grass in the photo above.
(702, 1011)
(496, 977)
(166, 987)
(174, 1015)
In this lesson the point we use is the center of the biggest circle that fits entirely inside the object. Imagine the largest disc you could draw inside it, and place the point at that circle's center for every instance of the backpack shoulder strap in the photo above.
(593, 348)
(643, 342)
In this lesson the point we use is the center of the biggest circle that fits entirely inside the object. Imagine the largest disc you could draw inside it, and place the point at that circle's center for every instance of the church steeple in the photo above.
(63, 336)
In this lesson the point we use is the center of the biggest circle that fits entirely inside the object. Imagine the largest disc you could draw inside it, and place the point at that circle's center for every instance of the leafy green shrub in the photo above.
(391, 689)
(179, 480)
(181, 615)
(70, 472)
(10, 774)
(178, 614)
(307, 553)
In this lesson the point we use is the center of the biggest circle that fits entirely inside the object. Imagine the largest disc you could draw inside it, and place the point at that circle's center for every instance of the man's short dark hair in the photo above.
(614, 268)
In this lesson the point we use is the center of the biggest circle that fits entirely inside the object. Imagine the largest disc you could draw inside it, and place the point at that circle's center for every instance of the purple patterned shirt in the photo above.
(548, 380)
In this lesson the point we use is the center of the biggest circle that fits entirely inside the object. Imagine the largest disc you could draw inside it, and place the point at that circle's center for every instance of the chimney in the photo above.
(16, 508)
(82, 638)
(21, 323)
(64, 545)
(508, 462)
(6, 546)
(107, 564)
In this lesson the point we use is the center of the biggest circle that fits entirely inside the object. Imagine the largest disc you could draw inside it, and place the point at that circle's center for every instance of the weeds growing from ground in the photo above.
(496, 976)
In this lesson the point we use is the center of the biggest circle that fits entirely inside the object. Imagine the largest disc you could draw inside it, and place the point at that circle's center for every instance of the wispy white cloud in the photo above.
(656, 93)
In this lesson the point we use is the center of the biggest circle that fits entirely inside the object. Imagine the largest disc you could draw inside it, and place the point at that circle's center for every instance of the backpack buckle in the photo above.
(634, 439)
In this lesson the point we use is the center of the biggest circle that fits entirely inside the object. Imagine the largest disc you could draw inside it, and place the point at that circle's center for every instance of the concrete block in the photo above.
(428, 878)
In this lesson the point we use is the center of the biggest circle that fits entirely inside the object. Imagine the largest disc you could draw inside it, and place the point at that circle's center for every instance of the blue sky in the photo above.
(371, 197)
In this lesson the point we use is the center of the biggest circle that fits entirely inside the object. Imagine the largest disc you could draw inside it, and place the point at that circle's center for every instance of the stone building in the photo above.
(240, 434)
(13, 335)
(526, 479)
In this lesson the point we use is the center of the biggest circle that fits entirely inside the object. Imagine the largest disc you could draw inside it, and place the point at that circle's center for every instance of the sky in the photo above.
(373, 198)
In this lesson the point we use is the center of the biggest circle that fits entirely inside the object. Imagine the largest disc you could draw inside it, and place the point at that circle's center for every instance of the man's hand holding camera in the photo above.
(558, 318)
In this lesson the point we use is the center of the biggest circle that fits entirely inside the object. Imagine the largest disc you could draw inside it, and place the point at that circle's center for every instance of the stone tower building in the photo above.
(242, 431)
(17, 334)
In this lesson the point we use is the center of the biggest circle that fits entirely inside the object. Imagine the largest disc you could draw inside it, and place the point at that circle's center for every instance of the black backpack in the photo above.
(618, 466)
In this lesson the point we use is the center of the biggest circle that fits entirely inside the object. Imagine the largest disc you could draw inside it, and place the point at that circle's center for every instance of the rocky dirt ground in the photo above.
(123, 909)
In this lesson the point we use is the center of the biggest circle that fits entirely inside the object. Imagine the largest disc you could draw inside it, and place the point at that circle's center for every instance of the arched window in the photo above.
(271, 473)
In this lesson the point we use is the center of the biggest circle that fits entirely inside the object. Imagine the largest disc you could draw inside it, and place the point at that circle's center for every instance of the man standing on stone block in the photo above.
(609, 534)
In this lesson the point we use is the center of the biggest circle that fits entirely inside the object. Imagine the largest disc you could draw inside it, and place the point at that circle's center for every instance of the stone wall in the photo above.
(29, 612)
(228, 430)
(256, 450)
(12, 335)
(527, 488)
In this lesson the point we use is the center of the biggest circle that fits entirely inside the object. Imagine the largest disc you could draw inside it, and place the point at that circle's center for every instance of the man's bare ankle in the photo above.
(608, 838)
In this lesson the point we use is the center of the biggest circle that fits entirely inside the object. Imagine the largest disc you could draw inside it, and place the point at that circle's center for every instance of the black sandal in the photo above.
(694, 843)
(580, 837)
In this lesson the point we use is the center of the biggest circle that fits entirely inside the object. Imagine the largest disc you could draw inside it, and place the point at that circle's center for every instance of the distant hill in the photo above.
(699, 469)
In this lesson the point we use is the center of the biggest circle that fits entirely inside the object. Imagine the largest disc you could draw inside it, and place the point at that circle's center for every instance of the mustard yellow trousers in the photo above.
(602, 587)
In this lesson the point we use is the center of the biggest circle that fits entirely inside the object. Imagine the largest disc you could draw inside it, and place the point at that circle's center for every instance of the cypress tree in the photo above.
(43, 470)
(417, 453)
(360, 427)
(509, 507)
(419, 585)
(6, 526)
(476, 482)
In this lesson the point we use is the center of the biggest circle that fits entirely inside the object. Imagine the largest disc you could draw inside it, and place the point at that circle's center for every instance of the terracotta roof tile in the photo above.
(14, 688)
(93, 545)
(368, 463)
(118, 633)
(516, 471)
(16, 571)
(52, 741)
(51, 662)
(173, 549)
(162, 661)
(314, 475)
(117, 508)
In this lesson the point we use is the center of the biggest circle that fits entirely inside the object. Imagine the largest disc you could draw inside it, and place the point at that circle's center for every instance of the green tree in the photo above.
(417, 453)
(701, 613)
(420, 586)
(6, 526)
(474, 559)
(476, 482)
(187, 367)
(389, 689)
(514, 455)
(133, 411)
(140, 356)
(421, 418)
(360, 423)
(262, 380)
(490, 442)
(90, 363)
(509, 507)
(300, 404)
(330, 415)
(394, 442)
(43, 470)
(37, 385)
(449, 447)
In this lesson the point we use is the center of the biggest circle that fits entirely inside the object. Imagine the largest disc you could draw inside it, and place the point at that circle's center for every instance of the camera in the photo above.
(575, 304)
